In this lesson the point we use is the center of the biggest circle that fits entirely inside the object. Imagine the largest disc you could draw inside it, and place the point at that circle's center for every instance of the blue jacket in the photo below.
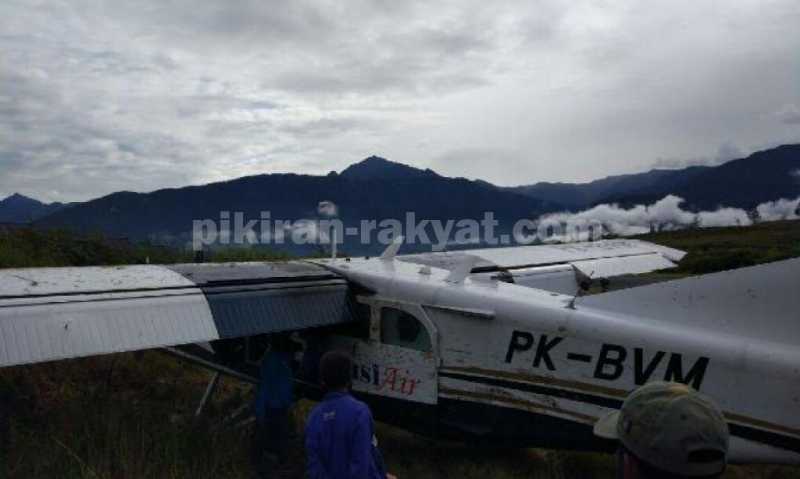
(275, 389)
(340, 440)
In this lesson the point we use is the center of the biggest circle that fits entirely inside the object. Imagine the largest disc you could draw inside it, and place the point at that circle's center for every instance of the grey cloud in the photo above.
(100, 96)
(726, 152)
(482, 163)
(324, 127)
(364, 78)
(789, 114)
(422, 60)
(187, 92)
(193, 105)
(360, 47)
(55, 149)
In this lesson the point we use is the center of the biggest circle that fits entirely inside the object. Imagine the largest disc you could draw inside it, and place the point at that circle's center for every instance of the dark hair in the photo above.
(335, 370)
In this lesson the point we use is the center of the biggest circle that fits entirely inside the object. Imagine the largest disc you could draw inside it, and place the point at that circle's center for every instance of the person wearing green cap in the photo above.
(667, 430)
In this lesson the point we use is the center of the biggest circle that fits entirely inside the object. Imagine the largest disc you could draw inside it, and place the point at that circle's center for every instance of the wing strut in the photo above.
(212, 386)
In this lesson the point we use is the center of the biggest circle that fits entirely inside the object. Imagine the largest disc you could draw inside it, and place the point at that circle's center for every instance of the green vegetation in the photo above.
(132, 415)
(23, 248)
(122, 415)
(717, 249)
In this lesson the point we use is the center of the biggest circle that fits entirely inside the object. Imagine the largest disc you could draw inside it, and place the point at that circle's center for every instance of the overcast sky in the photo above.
(97, 97)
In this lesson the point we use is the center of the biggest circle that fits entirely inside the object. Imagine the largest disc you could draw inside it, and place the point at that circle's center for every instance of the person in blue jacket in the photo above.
(340, 436)
(272, 404)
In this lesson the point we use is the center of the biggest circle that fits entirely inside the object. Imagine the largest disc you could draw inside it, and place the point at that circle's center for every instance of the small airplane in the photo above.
(492, 346)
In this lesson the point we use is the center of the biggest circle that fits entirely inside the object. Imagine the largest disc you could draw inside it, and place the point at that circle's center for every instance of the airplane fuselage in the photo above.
(500, 364)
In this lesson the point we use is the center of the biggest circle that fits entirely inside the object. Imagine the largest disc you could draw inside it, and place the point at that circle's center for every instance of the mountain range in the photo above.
(376, 189)
(743, 183)
(18, 208)
(373, 189)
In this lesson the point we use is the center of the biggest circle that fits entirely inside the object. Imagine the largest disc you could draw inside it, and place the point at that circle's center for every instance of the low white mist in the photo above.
(665, 214)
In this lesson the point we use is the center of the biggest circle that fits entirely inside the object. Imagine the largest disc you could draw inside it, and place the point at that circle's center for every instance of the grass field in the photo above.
(132, 415)
(28, 248)
(718, 249)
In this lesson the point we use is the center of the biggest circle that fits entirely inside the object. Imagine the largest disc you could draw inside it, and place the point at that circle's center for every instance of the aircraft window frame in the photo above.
(417, 335)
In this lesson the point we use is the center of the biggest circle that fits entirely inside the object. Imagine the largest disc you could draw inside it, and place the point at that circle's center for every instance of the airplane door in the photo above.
(395, 369)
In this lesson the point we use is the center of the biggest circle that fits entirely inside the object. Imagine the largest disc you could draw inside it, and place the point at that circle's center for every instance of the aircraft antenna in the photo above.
(577, 294)
(461, 270)
(391, 251)
(333, 244)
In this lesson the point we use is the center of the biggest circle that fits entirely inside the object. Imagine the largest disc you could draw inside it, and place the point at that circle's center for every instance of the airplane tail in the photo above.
(759, 301)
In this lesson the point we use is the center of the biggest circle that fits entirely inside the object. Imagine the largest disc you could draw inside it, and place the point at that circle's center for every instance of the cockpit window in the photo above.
(402, 329)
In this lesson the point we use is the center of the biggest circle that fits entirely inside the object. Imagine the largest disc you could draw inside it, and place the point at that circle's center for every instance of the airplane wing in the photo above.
(754, 302)
(56, 313)
(559, 268)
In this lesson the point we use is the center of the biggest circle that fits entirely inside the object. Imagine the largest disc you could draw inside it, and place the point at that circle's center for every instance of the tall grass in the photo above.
(717, 249)
(120, 416)
(132, 416)
(25, 247)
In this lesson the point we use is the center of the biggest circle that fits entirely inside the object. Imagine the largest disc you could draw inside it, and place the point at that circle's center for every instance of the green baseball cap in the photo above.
(672, 427)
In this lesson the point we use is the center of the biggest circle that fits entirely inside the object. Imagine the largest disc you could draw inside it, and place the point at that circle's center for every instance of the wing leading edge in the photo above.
(561, 267)
(57, 313)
